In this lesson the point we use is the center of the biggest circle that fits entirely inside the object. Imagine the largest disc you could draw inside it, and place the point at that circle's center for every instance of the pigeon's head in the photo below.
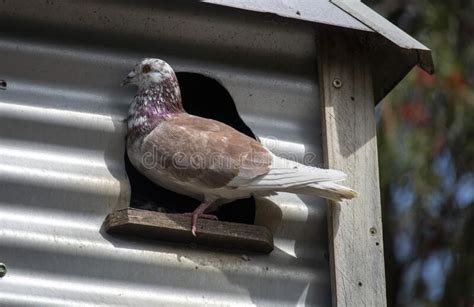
(149, 72)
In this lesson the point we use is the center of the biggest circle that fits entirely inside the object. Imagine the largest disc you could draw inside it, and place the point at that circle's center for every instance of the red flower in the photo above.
(414, 113)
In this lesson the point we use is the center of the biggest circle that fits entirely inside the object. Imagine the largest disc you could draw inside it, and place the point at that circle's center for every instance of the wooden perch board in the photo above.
(177, 228)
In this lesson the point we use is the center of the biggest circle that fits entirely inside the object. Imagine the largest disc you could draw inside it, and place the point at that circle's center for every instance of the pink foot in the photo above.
(196, 216)
(199, 213)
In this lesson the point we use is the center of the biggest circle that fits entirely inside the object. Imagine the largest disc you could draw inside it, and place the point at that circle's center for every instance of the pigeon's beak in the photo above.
(129, 78)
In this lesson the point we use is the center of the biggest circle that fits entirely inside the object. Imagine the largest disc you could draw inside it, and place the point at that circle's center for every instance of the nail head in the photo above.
(3, 270)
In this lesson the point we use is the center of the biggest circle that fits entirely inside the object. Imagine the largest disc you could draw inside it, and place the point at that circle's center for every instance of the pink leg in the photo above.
(199, 213)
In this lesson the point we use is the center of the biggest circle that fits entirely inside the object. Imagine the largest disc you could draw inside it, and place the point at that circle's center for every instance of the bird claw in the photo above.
(195, 216)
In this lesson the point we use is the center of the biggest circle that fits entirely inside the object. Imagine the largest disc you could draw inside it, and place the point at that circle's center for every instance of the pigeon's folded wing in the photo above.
(205, 152)
(208, 154)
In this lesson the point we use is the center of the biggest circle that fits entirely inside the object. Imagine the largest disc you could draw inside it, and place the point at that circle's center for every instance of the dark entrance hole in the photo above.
(205, 97)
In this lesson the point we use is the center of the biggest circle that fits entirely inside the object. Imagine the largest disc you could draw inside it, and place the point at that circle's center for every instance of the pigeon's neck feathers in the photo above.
(163, 93)
(153, 104)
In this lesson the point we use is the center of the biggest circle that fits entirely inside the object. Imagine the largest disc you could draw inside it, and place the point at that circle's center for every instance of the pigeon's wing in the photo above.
(208, 154)
(205, 152)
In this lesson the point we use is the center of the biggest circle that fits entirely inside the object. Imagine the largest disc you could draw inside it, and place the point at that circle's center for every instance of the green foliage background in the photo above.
(426, 152)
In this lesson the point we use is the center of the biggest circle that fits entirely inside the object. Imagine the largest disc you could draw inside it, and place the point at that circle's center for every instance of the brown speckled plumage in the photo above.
(220, 152)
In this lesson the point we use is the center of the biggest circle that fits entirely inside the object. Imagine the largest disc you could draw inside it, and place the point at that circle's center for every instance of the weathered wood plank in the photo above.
(177, 228)
(350, 144)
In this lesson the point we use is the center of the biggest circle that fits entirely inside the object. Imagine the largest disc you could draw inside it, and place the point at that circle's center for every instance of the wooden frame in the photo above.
(350, 145)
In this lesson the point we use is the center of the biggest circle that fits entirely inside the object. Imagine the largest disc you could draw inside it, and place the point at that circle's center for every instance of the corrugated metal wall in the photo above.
(62, 145)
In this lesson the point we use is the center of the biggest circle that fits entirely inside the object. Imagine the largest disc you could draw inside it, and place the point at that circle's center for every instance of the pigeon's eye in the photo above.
(146, 69)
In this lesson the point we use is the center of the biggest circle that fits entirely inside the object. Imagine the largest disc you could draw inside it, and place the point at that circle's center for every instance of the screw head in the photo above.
(373, 230)
(3, 270)
(337, 83)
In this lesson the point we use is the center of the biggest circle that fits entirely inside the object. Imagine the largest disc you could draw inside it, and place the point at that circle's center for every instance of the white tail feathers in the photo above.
(293, 177)
(329, 190)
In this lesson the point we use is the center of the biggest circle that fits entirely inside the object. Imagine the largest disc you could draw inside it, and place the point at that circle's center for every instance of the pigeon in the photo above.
(204, 158)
